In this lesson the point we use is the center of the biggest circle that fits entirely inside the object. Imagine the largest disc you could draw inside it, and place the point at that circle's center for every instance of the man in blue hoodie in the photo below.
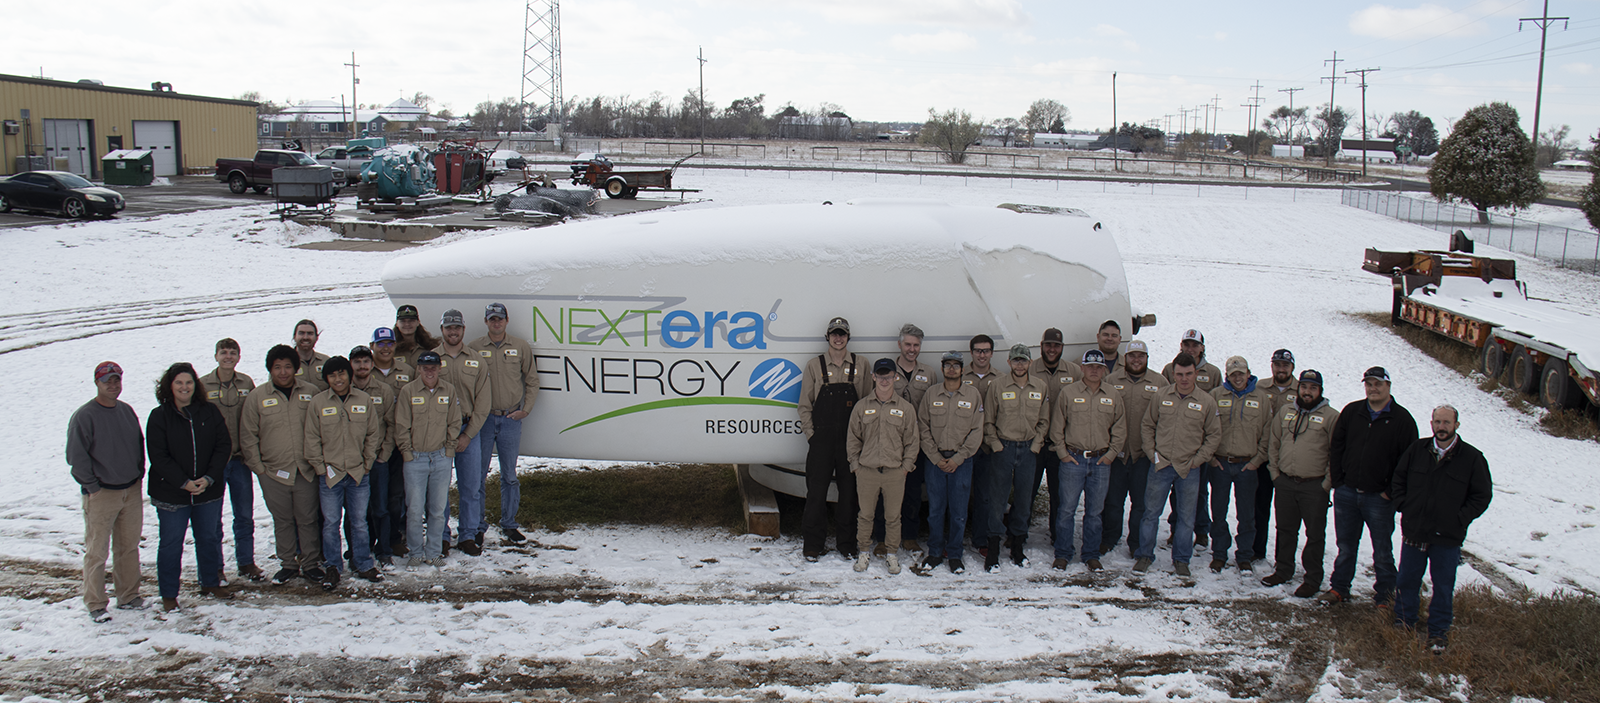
(1246, 413)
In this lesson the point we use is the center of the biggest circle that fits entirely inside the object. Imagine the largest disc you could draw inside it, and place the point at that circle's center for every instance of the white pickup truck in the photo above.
(351, 159)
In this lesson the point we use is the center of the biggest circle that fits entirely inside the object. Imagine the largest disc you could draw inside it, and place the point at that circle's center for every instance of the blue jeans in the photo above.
(174, 524)
(503, 436)
(1010, 478)
(1090, 479)
(427, 498)
(1161, 484)
(1440, 561)
(379, 519)
(239, 484)
(1352, 511)
(1202, 506)
(978, 502)
(1128, 481)
(947, 505)
(469, 492)
(1232, 480)
(345, 496)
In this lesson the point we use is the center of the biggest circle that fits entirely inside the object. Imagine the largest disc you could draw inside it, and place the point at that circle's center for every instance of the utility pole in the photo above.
(1212, 120)
(1250, 112)
(1363, 73)
(1116, 141)
(1543, 21)
(1333, 80)
(702, 57)
(1289, 131)
(1183, 120)
(354, 120)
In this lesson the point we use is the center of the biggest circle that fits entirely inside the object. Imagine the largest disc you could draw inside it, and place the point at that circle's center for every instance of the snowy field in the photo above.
(703, 614)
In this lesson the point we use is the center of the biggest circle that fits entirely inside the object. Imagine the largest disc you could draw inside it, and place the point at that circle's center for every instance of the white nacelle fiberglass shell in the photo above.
(679, 336)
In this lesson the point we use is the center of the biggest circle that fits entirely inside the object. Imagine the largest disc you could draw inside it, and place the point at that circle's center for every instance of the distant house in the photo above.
(1372, 150)
(329, 117)
(1070, 140)
(1571, 165)
(813, 127)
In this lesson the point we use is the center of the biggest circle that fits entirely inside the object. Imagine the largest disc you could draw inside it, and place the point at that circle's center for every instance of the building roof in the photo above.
(330, 111)
(50, 82)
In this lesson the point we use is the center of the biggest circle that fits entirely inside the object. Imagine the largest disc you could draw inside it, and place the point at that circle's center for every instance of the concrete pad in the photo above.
(356, 245)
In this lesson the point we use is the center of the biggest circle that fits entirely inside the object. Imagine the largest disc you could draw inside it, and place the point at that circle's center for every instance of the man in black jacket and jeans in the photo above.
(1368, 440)
(1440, 486)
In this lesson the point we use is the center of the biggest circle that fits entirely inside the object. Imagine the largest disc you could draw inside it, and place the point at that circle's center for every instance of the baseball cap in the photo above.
(883, 366)
(359, 352)
(1051, 335)
(953, 356)
(383, 334)
(1376, 372)
(428, 358)
(1236, 363)
(1194, 336)
(1094, 356)
(1283, 355)
(106, 370)
(1311, 376)
(838, 324)
(1137, 346)
(406, 312)
(452, 317)
(1020, 351)
(495, 310)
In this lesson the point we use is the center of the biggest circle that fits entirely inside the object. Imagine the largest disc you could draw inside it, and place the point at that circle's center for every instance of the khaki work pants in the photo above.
(113, 522)
(871, 483)
(296, 521)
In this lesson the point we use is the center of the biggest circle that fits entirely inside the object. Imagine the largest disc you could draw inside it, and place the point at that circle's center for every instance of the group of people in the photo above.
(1106, 432)
(353, 450)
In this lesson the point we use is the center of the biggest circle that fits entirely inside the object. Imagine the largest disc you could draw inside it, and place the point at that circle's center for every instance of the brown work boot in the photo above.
(1307, 589)
(169, 604)
(1276, 579)
(252, 572)
(217, 592)
(1217, 565)
(1093, 564)
(880, 550)
(1059, 565)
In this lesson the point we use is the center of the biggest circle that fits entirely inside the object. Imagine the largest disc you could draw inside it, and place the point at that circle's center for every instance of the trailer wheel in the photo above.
(1557, 390)
(616, 188)
(1524, 371)
(1493, 363)
(631, 194)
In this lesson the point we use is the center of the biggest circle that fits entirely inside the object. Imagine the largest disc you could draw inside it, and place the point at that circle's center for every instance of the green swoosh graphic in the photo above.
(680, 402)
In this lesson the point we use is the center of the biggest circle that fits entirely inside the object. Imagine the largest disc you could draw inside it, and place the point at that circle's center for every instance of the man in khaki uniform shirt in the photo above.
(1281, 390)
(226, 387)
(1181, 432)
(1088, 426)
(1057, 373)
(830, 386)
(1246, 411)
(464, 368)
(272, 439)
(513, 387)
(344, 431)
(1109, 341)
(912, 380)
(881, 446)
(427, 425)
(1300, 456)
(950, 425)
(979, 375)
(311, 360)
(1137, 383)
(1016, 421)
(383, 515)
(1207, 377)
(385, 364)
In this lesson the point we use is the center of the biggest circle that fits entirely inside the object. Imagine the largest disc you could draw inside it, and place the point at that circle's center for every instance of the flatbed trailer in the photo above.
(1533, 345)
(596, 171)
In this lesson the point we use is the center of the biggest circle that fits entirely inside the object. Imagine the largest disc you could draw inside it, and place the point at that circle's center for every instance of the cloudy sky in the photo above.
(877, 59)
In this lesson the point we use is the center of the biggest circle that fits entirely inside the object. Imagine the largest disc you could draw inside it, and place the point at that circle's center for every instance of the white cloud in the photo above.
(1106, 30)
(1383, 21)
(1582, 69)
(1220, 36)
(937, 42)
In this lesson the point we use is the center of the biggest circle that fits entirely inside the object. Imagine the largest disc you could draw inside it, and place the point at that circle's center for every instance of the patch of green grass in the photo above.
(673, 495)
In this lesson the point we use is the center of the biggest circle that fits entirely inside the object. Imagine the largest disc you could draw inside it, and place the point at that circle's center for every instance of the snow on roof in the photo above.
(1513, 311)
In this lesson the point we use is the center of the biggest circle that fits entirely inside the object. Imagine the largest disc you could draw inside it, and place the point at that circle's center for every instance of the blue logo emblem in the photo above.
(776, 379)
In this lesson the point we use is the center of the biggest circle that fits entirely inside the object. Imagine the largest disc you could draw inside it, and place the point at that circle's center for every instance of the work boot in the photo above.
(222, 578)
(479, 540)
(1202, 539)
(1307, 589)
(881, 550)
(330, 580)
(910, 545)
(1017, 556)
(1093, 564)
(956, 567)
(315, 574)
(1276, 579)
(285, 575)
(136, 604)
(100, 615)
(931, 563)
(371, 575)
(513, 535)
(1181, 568)
(1244, 566)
(252, 572)
(1106, 547)
(991, 558)
(861, 562)
(1331, 597)
(469, 547)
(1059, 564)
(894, 564)
(812, 557)
(1217, 565)
(169, 604)
(1142, 565)
(217, 592)
(444, 549)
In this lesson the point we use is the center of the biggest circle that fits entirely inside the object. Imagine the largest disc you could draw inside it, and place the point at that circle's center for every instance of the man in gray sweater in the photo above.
(105, 447)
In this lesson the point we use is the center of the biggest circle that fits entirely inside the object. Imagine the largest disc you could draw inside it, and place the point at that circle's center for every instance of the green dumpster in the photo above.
(129, 167)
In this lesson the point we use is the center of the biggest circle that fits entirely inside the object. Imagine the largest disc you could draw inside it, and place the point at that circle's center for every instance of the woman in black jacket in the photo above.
(188, 444)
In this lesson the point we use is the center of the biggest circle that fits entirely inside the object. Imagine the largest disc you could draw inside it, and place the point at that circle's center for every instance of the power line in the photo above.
(1333, 80)
(1363, 73)
(1543, 21)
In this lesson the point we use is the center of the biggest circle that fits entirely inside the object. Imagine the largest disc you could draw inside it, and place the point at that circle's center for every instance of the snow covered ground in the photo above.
(704, 614)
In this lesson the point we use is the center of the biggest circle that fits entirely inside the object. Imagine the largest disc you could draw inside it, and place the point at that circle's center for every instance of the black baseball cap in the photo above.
(884, 365)
(359, 352)
(1311, 376)
(428, 358)
(406, 312)
(495, 310)
(1283, 355)
(1377, 372)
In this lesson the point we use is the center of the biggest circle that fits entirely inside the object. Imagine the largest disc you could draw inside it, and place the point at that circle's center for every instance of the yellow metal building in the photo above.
(68, 126)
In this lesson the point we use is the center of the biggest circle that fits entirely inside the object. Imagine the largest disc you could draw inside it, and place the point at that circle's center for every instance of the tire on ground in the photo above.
(1492, 362)
(1525, 371)
(1557, 390)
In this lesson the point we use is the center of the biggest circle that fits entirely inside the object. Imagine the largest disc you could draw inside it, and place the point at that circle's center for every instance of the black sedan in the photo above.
(58, 191)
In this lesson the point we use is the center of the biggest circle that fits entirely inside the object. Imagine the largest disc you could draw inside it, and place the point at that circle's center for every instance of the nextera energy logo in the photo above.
(774, 382)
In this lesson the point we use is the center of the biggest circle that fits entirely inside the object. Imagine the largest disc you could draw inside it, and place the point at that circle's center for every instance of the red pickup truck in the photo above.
(256, 173)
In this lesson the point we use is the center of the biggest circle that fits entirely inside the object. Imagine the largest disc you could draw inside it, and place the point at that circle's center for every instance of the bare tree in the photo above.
(951, 132)
(1006, 128)
(1046, 115)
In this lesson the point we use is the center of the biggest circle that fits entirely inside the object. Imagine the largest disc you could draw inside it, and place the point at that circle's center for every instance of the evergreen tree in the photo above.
(1589, 199)
(1487, 161)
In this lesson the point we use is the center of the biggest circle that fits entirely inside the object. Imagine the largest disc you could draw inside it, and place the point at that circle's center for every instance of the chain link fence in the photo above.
(1567, 247)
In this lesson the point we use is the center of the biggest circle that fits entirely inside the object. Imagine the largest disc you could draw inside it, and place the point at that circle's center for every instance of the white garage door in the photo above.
(68, 139)
(161, 138)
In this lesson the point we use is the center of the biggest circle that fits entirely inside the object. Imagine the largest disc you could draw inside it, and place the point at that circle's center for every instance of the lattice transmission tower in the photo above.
(541, 63)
